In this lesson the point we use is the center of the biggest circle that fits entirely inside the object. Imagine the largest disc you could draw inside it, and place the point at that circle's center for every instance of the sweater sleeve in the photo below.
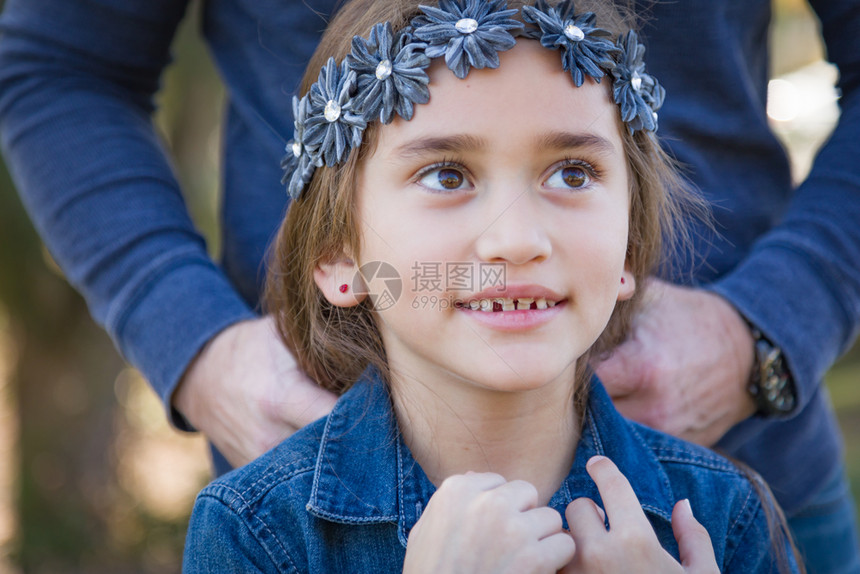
(800, 283)
(77, 80)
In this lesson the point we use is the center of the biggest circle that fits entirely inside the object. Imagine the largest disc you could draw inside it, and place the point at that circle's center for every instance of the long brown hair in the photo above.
(334, 345)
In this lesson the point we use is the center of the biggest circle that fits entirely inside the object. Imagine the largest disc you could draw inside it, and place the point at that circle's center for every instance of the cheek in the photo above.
(397, 239)
(409, 239)
(598, 240)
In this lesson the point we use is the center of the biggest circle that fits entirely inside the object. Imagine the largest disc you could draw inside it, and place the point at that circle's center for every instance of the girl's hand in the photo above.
(630, 545)
(480, 523)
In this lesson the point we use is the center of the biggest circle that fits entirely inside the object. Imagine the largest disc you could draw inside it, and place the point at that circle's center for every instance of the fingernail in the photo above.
(594, 460)
(687, 507)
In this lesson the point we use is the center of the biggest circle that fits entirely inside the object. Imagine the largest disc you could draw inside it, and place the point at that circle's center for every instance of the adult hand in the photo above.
(684, 370)
(245, 392)
(479, 523)
(630, 545)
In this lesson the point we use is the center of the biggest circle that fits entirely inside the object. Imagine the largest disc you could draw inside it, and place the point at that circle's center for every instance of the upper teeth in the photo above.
(508, 304)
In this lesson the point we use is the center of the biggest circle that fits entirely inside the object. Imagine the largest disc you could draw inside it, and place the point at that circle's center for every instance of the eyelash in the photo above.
(555, 181)
(452, 162)
(594, 173)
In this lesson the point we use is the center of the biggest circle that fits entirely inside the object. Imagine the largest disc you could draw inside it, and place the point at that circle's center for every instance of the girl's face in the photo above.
(511, 184)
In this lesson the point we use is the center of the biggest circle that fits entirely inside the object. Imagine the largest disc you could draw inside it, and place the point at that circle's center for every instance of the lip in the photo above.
(519, 320)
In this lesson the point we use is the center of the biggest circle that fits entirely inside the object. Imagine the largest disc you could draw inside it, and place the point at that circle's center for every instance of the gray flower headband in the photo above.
(386, 73)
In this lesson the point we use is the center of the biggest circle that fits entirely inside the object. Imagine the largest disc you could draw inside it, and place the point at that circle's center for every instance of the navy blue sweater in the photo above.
(77, 79)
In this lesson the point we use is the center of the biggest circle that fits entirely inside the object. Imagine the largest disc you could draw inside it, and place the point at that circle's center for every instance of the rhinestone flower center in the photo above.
(636, 81)
(466, 25)
(383, 70)
(297, 149)
(332, 111)
(573, 32)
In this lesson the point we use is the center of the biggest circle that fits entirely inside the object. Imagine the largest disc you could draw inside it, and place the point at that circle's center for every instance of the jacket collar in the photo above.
(605, 432)
(365, 473)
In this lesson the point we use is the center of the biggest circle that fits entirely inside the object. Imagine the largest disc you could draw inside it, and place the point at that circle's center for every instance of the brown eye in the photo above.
(450, 178)
(574, 176)
(570, 177)
(444, 178)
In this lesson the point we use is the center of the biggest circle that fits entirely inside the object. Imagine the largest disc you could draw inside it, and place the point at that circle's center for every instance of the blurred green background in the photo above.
(91, 477)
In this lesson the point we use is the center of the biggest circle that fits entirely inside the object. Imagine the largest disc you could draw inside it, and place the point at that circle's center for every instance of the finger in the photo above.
(472, 482)
(620, 372)
(307, 402)
(655, 290)
(705, 426)
(522, 495)
(694, 543)
(543, 521)
(640, 407)
(558, 550)
(621, 504)
(585, 520)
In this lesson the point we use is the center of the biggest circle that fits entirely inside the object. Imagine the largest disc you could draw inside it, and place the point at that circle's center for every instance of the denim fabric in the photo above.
(826, 530)
(342, 494)
(76, 94)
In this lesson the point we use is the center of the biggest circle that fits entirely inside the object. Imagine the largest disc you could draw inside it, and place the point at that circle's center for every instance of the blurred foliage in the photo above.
(83, 502)
(103, 485)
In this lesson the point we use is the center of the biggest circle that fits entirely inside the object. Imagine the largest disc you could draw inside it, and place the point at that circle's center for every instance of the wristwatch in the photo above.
(770, 384)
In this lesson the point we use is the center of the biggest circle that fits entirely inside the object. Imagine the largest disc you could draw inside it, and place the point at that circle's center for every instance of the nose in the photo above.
(514, 232)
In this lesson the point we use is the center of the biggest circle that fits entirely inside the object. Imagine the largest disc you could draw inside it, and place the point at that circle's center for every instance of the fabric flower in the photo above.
(332, 128)
(585, 49)
(297, 164)
(470, 33)
(391, 76)
(637, 94)
(298, 172)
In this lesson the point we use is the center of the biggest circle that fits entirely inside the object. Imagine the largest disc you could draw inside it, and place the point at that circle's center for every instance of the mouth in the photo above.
(507, 304)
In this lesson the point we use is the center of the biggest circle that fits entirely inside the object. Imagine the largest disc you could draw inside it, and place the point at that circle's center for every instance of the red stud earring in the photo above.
(623, 281)
(344, 288)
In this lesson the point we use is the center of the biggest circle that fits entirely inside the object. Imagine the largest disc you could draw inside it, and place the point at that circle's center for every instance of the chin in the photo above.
(520, 376)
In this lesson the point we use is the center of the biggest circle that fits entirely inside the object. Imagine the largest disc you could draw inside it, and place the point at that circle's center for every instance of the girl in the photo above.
(450, 268)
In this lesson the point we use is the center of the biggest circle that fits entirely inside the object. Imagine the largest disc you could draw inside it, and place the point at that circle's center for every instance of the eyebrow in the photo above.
(556, 140)
(566, 140)
(446, 144)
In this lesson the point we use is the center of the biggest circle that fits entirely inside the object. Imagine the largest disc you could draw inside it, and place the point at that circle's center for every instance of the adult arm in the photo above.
(799, 284)
(77, 80)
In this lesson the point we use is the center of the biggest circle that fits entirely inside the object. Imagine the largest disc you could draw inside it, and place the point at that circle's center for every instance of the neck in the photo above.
(452, 428)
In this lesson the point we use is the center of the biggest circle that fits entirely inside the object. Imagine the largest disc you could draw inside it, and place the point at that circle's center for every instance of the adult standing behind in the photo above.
(77, 78)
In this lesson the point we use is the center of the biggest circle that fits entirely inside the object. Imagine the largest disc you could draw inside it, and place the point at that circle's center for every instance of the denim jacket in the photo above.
(342, 494)
(76, 92)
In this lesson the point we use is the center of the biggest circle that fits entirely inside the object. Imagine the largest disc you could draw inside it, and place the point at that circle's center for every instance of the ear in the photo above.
(628, 285)
(332, 276)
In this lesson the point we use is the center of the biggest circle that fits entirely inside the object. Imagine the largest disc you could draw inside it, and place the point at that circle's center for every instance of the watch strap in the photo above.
(770, 384)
